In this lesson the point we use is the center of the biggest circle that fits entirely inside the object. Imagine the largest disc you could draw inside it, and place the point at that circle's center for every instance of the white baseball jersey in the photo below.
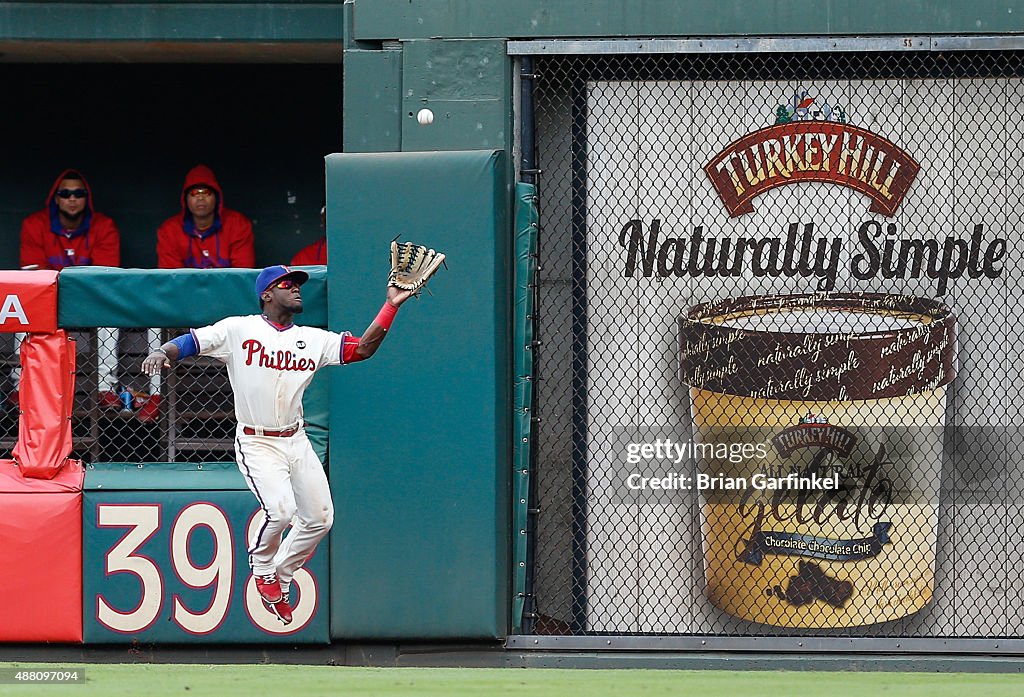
(269, 367)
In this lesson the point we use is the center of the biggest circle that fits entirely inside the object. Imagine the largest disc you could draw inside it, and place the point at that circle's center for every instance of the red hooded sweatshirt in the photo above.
(46, 243)
(312, 255)
(226, 243)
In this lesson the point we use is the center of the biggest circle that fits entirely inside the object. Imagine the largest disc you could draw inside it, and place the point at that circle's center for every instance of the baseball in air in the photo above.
(425, 117)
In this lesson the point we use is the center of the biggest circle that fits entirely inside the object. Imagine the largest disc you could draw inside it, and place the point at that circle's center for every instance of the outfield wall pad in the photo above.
(29, 301)
(420, 451)
(165, 561)
(41, 550)
(46, 397)
(96, 296)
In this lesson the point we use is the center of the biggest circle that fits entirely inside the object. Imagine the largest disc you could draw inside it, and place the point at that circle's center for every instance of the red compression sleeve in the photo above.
(386, 315)
(348, 350)
(383, 319)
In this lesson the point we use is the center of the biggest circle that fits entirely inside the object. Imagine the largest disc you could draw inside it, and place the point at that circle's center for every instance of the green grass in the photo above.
(147, 680)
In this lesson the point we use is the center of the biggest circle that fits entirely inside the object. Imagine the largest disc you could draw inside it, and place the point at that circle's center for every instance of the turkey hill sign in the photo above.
(812, 144)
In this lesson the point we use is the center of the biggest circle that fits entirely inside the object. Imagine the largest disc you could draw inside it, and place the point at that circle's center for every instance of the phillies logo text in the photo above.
(277, 360)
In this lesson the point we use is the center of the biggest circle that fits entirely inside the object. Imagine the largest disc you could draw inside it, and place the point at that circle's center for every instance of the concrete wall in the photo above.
(446, 54)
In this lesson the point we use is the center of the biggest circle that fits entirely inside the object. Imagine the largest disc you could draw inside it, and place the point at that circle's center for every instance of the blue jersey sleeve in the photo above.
(186, 344)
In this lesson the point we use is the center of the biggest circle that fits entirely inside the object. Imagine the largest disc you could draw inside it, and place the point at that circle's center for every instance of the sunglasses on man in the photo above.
(287, 284)
(200, 191)
(72, 193)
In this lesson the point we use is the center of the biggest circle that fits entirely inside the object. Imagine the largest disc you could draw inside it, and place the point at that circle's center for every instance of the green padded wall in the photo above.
(184, 516)
(163, 476)
(97, 296)
(527, 223)
(419, 434)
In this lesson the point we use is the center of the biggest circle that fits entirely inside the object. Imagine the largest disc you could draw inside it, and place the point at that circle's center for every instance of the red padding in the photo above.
(41, 553)
(69, 480)
(28, 302)
(45, 397)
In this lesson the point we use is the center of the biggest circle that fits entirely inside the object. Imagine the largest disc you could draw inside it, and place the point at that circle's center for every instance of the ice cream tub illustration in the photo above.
(834, 523)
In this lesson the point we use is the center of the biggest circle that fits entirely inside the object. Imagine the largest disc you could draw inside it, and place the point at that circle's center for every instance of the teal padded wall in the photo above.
(146, 531)
(163, 476)
(419, 442)
(97, 296)
(527, 223)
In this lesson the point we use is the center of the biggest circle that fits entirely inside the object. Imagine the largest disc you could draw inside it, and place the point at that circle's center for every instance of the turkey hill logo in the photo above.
(811, 142)
(814, 431)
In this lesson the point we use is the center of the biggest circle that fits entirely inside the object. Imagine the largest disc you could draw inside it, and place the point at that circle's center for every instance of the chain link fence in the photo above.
(9, 374)
(781, 347)
(121, 415)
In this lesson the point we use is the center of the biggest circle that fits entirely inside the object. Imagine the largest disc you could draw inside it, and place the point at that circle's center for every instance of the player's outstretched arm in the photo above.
(160, 358)
(378, 329)
(164, 357)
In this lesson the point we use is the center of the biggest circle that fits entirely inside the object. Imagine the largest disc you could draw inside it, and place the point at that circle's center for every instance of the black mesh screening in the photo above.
(798, 271)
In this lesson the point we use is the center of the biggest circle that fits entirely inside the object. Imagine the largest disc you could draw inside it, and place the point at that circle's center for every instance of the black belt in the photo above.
(250, 431)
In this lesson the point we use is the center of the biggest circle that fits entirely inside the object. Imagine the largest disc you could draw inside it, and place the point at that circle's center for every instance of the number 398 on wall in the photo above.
(178, 572)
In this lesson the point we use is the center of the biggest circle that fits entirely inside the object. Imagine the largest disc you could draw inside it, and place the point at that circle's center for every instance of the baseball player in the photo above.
(270, 361)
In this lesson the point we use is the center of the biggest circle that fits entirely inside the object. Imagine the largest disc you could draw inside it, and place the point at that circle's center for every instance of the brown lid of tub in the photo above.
(833, 364)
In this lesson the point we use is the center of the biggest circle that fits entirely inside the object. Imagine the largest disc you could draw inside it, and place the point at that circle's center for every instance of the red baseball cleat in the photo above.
(269, 588)
(283, 609)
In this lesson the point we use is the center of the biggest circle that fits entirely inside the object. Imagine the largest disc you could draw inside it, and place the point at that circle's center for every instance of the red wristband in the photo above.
(386, 315)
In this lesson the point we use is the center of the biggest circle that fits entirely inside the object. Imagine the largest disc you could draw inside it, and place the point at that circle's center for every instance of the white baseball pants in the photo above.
(290, 484)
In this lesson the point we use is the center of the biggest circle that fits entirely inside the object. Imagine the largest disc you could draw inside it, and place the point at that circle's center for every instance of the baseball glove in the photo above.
(412, 265)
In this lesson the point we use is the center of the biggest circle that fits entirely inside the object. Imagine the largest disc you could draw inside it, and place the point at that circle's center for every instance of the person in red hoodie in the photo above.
(206, 234)
(69, 231)
(315, 253)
